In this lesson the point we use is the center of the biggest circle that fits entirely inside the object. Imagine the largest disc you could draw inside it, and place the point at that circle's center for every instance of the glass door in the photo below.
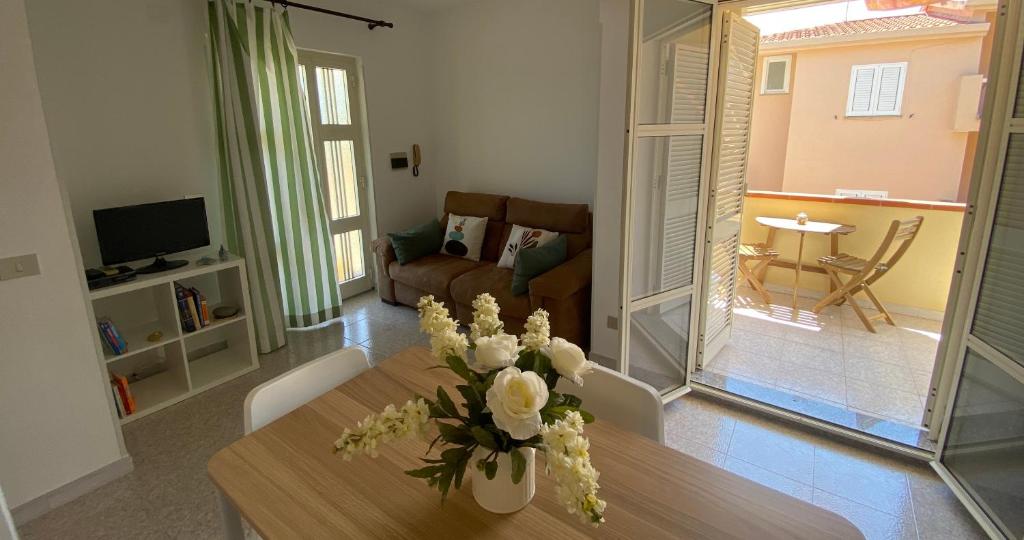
(333, 87)
(981, 446)
(669, 112)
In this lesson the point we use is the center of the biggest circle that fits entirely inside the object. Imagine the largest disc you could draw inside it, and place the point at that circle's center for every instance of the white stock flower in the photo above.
(496, 351)
(515, 400)
(485, 317)
(391, 424)
(538, 331)
(568, 359)
(434, 319)
(448, 343)
(568, 458)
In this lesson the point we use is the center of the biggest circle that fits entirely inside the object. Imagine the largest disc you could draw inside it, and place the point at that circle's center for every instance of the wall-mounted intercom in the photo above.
(417, 158)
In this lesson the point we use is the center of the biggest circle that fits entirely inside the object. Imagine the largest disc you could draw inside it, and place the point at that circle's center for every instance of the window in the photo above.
(775, 75)
(876, 89)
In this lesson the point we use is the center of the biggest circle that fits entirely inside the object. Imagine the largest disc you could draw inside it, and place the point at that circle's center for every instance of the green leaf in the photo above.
(445, 482)
(484, 437)
(541, 364)
(518, 465)
(587, 417)
(458, 365)
(525, 361)
(460, 471)
(551, 379)
(446, 404)
(453, 455)
(455, 434)
(474, 402)
(491, 469)
(570, 400)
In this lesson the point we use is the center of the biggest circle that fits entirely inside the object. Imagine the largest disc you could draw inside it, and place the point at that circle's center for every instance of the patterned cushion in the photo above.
(523, 238)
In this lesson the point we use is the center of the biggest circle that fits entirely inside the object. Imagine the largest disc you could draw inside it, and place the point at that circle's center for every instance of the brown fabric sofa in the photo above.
(563, 291)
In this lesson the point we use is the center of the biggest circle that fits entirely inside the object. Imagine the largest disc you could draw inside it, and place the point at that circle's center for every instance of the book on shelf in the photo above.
(188, 323)
(124, 392)
(118, 404)
(111, 337)
(197, 303)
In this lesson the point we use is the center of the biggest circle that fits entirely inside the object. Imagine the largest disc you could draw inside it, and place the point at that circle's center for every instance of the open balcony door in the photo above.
(981, 444)
(728, 184)
(666, 184)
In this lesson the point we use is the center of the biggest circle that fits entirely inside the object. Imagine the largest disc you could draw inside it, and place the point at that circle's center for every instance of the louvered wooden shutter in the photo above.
(999, 315)
(862, 83)
(728, 178)
(689, 84)
(890, 82)
(876, 89)
(679, 227)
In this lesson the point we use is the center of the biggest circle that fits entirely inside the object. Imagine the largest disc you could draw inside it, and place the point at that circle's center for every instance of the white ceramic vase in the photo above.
(500, 495)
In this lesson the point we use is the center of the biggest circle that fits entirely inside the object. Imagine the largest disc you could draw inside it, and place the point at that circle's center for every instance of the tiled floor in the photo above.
(831, 357)
(168, 495)
(884, 497)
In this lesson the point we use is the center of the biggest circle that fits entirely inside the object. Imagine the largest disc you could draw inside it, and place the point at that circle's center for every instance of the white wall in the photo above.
(48, 363)
(128, 102)
(517, 97)
(608, 197)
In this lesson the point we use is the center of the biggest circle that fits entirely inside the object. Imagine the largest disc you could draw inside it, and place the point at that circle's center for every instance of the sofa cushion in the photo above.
(572, 220)
(411, 244)
(533, 262)
(491, 279)
(491, 207)
(431, 273)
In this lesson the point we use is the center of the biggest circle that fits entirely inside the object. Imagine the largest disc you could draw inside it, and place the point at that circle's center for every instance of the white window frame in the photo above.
(876, 83)
(788, 59)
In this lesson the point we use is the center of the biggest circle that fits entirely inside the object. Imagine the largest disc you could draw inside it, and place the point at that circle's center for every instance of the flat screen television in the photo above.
(131, 233)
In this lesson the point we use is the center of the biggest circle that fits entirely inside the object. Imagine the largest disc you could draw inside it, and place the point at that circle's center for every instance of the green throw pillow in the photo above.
(533, 262)
(418, 241)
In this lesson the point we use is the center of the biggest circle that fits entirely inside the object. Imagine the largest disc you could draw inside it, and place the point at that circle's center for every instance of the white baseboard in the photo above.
(42, 504)
(896, 309)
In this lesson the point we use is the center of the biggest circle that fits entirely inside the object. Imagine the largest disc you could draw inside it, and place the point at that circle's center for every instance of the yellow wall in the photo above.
(916, 155)
(921, 278)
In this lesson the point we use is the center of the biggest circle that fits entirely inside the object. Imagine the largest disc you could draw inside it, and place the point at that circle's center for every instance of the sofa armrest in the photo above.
(384, 254)
(565, 279)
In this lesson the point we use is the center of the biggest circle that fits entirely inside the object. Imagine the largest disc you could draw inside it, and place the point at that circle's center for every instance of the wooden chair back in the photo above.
(902, 231)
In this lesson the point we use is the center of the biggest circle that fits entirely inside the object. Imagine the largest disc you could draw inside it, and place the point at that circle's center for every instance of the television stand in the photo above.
(161, 264)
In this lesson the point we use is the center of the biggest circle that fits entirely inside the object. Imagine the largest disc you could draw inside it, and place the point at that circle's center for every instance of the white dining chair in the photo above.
(626, 402)
(289, 391)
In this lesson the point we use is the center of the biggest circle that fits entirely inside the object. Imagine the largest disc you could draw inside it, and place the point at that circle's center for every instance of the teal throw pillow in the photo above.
(533, 262)
(418, 241)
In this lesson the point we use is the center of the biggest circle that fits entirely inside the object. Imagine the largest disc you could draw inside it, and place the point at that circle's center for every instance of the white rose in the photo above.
(567, 359)
(515, 400)
(496, 351)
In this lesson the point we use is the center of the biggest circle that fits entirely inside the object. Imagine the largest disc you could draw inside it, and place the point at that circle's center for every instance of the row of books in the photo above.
(111, 337)
(192, 308)
(123, 398)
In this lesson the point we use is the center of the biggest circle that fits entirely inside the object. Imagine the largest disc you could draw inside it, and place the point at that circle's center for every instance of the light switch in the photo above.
(20, 266)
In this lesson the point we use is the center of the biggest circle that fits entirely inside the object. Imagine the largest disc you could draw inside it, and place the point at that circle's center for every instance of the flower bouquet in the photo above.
(509, 410)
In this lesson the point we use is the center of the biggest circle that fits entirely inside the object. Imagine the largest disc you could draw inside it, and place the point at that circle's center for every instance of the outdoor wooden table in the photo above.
(832, 230)
(286, 483)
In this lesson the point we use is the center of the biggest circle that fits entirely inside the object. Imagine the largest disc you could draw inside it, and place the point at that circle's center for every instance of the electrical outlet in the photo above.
(18, 267)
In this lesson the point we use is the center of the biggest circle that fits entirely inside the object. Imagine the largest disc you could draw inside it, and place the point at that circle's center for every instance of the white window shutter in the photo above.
(862, 82)
(689, 84)
(679, 226)
(890, 88)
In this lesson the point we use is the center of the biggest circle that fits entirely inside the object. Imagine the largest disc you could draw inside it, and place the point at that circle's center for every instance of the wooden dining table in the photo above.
(286, 483)
(832, 230)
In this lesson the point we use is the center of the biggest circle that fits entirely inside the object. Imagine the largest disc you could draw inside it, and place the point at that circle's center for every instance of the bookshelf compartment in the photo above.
(156, 377)
(216, 354)
(221, 288)
(136, 315)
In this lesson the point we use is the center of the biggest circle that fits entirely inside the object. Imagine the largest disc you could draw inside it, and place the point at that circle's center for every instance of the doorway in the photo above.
(332, 85)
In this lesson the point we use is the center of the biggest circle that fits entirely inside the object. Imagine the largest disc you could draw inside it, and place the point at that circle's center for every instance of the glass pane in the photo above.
(674, 53)
(348, 253)
(666, 182)
(776, 76)
(983, 445)
(342, 184)
(332, 84)
(658, 343)
(998, 319)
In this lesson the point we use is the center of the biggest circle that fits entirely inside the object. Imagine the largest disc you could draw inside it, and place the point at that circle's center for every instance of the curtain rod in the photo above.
(371, 23)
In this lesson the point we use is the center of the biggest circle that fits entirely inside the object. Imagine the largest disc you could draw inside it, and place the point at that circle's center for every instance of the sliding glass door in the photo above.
(662, 199)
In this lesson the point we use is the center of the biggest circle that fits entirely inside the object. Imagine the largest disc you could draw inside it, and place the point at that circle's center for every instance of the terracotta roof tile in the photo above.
(865, 26)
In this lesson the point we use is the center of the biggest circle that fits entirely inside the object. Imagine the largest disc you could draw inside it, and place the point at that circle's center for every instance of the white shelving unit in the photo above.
(179, 364)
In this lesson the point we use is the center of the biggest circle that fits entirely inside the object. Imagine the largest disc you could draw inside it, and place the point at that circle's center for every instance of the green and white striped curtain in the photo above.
(273, 206)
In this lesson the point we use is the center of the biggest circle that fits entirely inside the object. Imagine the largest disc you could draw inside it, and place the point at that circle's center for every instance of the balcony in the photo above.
(828, 364)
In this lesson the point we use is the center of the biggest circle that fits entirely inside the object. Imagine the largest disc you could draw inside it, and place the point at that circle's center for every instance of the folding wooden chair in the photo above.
(865, 272)
(763, 255)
